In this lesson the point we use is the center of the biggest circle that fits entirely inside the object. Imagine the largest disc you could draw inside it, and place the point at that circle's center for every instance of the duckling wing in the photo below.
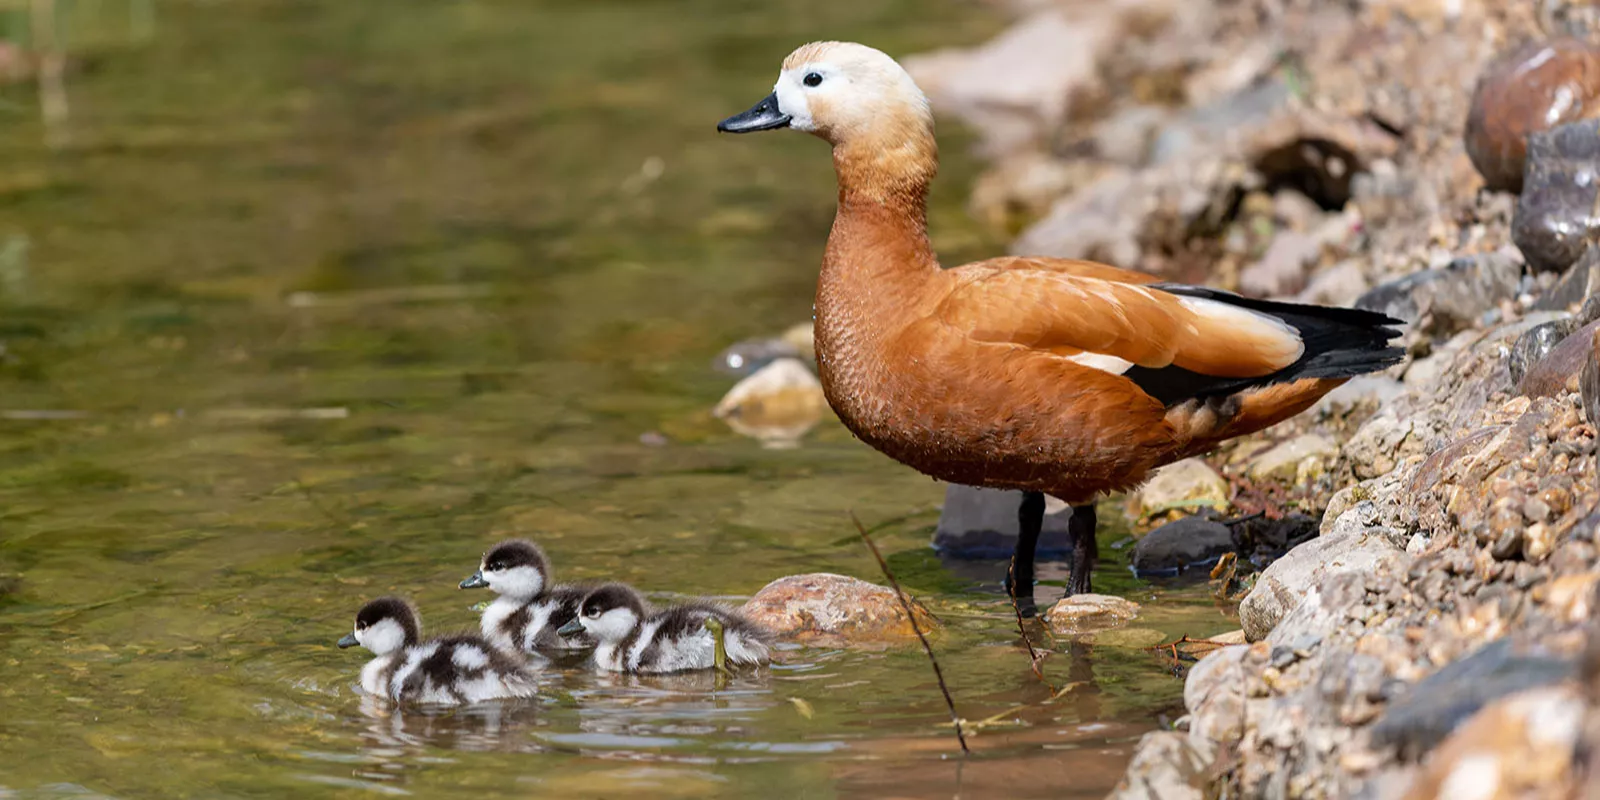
(1112, 319)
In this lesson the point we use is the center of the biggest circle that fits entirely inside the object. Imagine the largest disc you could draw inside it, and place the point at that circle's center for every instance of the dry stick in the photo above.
(1034, 657)
(938, 674)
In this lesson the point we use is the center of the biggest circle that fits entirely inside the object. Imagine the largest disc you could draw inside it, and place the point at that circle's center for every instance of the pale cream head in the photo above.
(841, 90)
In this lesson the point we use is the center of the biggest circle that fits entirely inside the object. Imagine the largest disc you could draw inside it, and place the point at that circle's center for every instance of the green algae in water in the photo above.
(338, 294)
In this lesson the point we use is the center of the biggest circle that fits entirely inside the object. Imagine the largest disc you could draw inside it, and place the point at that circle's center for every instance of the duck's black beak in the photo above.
(475, 582)
(572, 628)
(349, 640)
(764, 116)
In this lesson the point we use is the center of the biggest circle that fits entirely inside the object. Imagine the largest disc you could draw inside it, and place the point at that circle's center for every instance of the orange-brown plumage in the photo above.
(1046, 375)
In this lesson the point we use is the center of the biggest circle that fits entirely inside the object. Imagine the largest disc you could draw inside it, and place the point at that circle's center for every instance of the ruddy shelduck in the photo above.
(1046, 375)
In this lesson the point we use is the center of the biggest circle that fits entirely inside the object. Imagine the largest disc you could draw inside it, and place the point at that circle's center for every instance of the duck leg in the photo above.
(1085, 551)
(1019, 580)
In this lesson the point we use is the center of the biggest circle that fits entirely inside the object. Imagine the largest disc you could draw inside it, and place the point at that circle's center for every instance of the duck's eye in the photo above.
(812, 79)
(592, 613)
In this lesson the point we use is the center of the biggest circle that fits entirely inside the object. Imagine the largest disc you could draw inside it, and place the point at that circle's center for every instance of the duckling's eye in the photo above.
(812, 79)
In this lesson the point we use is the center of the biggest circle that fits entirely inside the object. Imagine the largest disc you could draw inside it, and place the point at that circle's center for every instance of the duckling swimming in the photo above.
(445, 670)
(529, 611)
(633, 638)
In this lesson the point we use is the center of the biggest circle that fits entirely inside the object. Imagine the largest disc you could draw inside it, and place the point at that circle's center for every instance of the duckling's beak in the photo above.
(764, 116)
(572, 628)
(349, 640)
(475, 582)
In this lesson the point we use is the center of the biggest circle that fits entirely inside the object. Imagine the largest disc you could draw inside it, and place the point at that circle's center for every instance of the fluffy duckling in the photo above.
(633, 638)
(528, 613)
(1045, 375)
(444, 670)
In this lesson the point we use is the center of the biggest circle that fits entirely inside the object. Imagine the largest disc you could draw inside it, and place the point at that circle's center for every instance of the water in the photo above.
(320, 299)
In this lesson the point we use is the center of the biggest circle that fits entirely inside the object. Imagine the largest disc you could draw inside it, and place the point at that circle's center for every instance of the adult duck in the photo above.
(1046, 375)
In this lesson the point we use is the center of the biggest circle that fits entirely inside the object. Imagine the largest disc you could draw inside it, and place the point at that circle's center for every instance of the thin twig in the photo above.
(1035, 657)
(938, 674)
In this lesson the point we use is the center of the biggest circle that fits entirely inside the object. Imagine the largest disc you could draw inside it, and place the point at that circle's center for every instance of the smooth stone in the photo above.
(1535, 343)
(1166, 765)
(1349, 546)
(1422, 717)
(1182, 544)
(1559, 369)
(777, 404)
(835, 610)
(1185, 484)
(1282, 461)
(982, 523)
(1087, 613)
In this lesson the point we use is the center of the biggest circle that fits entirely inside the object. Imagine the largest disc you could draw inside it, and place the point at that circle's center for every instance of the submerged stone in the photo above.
(982, 523)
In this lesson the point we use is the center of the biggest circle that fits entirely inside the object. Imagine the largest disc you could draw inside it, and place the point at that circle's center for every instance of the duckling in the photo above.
(633, 638)
(529, 611)
(445, 670)
(1044, 375)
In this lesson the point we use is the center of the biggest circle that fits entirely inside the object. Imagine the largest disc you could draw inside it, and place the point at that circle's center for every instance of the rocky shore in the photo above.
(1431, 636)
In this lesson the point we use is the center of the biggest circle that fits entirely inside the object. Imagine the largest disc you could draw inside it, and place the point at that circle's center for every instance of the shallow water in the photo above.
(322, 298)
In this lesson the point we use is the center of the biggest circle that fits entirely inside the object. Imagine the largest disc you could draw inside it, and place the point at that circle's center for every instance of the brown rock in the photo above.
(1534, 88)
(1085, 613)
(834, 610)
(1551, 375)
(1590, 381)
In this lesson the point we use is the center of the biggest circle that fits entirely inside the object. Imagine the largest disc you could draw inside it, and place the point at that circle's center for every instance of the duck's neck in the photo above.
(878, 261)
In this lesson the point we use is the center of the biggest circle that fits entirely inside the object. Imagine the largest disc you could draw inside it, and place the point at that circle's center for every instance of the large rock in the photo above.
(1166, 766)
(1520, 746)
(1350, 546)
(1185, 543)
(982, 523)
(834, 610)
(1215, 693)
(1431, 710)
(1442, 301)
(1086, 613)
(1016, 88)
(1185, 484)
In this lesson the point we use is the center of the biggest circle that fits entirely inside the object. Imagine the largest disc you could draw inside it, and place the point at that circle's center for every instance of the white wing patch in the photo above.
(1102, 362)
(1261, 327)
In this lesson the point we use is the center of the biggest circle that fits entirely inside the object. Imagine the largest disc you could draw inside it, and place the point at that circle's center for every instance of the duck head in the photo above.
(384, 626)
(609, 613)
(841, 92)
(516, 568)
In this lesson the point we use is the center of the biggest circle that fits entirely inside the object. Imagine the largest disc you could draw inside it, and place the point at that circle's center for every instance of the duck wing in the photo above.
(1174, 342)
